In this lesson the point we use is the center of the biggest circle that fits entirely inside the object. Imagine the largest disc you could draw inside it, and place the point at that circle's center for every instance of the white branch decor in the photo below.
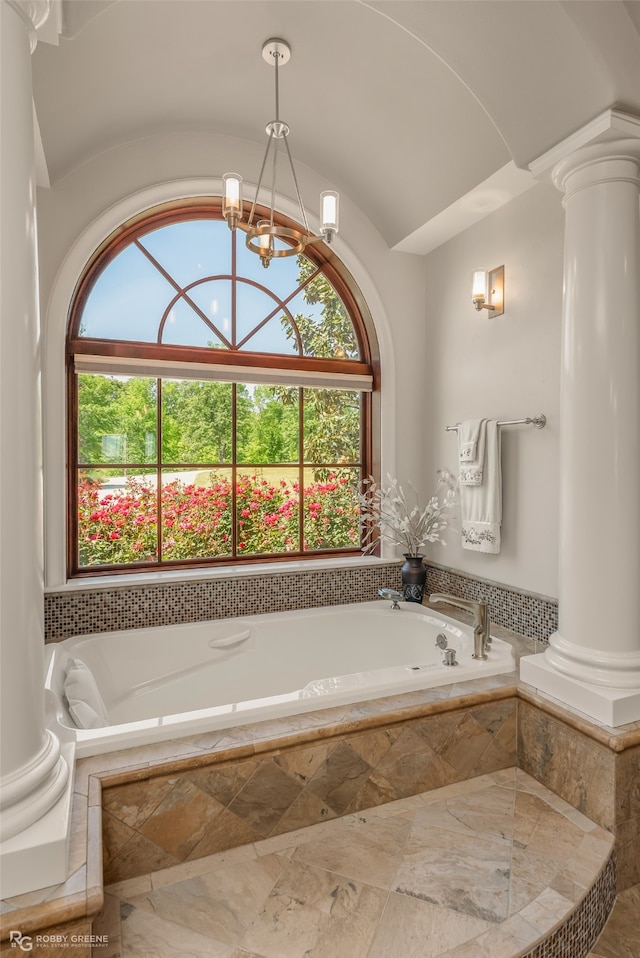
(385, 513)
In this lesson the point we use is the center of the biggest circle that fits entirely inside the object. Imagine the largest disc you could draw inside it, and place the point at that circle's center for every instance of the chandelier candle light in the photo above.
(265, 237)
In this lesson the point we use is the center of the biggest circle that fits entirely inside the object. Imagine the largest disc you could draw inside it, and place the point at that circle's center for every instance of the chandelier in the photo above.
(264, 236)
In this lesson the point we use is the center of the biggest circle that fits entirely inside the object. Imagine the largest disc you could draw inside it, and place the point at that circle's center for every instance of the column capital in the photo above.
(608, 129)
(607, 162)
(34, 14)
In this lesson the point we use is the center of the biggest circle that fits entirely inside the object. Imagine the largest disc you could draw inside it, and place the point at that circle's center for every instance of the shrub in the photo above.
(122, 527)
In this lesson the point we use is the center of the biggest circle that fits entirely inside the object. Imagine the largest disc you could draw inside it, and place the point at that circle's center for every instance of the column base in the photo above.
(37, 856)
(595, 666)
(612, 707)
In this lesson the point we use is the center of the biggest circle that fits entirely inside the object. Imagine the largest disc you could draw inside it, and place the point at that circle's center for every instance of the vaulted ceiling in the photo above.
(406, 106)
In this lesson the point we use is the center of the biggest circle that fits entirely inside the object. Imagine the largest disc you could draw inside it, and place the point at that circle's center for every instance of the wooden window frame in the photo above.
(224, 363)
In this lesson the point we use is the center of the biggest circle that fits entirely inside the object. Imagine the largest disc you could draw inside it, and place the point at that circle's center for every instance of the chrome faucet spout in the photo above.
(481, 623)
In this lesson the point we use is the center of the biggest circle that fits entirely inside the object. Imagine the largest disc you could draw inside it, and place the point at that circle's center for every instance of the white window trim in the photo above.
(54, 369)
(206, 574)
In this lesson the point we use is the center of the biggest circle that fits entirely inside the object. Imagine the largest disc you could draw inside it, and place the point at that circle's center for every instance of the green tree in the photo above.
(137, 419)
(197, 420)
(273, 428)
(331, 425)
(116, 419)
(330, 335)
(331, 416)
(97, 412)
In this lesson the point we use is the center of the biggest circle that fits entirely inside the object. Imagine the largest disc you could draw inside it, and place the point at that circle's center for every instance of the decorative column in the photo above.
(34, 774)
(593, 660)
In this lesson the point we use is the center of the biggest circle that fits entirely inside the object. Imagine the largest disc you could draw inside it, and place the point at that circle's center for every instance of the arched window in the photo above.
(219, 412)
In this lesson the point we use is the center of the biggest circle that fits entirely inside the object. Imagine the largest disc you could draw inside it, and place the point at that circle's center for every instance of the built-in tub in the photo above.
(172, 681)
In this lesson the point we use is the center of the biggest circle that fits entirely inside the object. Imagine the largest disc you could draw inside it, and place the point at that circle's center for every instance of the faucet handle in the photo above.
(392, 594)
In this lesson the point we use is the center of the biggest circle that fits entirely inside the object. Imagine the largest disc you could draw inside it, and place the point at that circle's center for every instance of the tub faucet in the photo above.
(481, 637)
(392, 594)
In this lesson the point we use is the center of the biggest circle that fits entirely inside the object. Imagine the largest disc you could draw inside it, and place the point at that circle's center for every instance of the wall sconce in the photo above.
(488, 290)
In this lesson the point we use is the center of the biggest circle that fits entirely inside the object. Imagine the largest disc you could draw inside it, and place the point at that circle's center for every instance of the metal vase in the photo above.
(414, 577)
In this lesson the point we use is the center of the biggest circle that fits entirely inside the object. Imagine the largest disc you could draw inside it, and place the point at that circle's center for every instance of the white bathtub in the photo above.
(171, 681)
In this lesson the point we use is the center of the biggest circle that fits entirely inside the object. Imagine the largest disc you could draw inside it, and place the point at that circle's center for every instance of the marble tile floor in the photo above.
(480, 869)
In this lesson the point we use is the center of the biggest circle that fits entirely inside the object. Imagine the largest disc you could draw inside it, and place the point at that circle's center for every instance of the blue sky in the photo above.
(131, 295)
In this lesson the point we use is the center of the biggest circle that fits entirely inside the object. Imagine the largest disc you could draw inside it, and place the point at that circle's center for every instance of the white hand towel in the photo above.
(471, 443)
(468, 432)
(481, 505)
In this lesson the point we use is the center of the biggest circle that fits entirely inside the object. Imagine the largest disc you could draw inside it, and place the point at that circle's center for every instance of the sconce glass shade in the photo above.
(232, 199)
(495, 287)
(487, 291)
(479, 287)
(329, 211)
(263, 239)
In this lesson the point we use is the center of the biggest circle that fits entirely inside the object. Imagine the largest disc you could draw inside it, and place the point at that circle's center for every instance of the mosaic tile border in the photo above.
(576, 937)
(83, 611)
(522, 612)
(142, 606)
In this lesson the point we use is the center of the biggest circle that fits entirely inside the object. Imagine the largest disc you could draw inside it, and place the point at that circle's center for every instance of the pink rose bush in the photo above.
(121, 526)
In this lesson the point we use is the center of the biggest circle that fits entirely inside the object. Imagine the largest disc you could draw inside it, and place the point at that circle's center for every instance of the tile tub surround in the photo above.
(524, 612)
(83, 610)
(386, 882)
(98, 609)
(192, 812)
(81, 896)
(595, 768)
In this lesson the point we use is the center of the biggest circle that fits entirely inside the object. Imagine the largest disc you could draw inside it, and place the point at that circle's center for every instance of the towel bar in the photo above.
(538, 421)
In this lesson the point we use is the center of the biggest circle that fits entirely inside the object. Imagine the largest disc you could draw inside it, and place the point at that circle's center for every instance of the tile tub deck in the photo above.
(75, 904)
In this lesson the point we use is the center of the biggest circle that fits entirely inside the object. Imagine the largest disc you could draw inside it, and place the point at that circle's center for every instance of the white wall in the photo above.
(76, 214)
(441, 361)
(502, 368)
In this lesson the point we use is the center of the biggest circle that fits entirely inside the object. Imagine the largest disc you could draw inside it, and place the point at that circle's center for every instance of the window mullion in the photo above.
(234, 289)
(301, 458)
(234, 471)
(159, 469)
